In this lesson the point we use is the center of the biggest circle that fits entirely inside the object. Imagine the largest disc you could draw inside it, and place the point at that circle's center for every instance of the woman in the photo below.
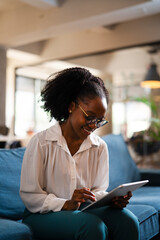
(66, 166)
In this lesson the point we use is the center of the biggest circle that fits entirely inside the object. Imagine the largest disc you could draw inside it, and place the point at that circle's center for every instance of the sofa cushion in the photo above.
(147, 195)
(11, 205)
(12, 230)
(122, 168)
(148, 218)
(153, 175)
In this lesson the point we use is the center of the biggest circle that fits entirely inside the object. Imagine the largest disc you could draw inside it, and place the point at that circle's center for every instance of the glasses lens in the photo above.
(98, 123)
(89, 121)
(101, 123)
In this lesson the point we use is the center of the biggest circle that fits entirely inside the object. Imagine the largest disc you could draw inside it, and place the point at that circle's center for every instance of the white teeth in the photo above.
(89, 132)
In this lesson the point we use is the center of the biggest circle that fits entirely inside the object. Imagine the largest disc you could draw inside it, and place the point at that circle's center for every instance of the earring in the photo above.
(70, 111)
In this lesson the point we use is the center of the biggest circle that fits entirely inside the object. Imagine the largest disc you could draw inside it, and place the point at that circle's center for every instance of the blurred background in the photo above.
(118, 41)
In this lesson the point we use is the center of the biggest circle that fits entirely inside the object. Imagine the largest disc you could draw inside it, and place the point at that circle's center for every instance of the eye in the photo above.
(90, 118)
(101, 120)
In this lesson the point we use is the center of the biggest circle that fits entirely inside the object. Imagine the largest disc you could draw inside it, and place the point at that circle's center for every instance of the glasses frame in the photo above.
(95, 121)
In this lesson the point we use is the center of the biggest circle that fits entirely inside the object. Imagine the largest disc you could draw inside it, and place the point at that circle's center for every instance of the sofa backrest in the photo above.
(11, 205)
(122, 168)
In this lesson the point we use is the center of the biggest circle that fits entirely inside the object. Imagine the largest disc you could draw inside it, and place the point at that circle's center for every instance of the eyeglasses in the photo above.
(96, 121)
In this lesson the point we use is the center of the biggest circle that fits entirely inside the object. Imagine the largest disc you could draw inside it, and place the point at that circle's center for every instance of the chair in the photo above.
(3, 131)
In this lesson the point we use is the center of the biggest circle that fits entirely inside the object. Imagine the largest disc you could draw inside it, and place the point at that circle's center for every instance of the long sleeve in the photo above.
(32, 192)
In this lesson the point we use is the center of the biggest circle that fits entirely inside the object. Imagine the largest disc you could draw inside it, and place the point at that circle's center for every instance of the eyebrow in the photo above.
(90, 112)
(94, 115)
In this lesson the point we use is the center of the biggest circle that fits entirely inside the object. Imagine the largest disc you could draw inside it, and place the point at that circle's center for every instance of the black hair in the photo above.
(68, 86)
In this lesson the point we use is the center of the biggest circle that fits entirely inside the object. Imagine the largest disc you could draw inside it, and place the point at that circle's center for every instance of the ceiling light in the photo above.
(152, 78)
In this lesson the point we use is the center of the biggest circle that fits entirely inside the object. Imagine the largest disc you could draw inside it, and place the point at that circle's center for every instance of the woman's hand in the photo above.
(122, 201)
(79, 196)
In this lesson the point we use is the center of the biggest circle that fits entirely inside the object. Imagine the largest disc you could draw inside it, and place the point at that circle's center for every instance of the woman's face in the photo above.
(95, 108)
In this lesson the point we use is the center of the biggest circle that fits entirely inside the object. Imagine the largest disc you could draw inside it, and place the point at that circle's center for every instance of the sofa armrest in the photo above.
(152, 175)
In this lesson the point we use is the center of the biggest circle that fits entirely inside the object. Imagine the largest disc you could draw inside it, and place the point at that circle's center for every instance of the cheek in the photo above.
(77, 121)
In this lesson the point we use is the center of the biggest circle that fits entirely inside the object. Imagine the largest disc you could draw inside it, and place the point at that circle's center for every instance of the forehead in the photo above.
(97, 105)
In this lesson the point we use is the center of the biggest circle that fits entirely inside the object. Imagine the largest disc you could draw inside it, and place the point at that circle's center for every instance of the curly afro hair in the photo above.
(67, 86)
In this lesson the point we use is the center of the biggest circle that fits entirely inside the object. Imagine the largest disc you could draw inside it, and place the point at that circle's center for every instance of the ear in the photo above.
(72, 107)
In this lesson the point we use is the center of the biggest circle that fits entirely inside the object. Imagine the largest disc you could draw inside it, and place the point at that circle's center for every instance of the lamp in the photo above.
(152, 78)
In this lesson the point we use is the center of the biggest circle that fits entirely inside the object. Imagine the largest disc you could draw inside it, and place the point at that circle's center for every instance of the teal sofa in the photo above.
(11, 206)
(145, 203)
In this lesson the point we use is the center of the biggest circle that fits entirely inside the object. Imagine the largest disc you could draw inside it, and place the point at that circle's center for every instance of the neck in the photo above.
(68, 132)
(73, 142)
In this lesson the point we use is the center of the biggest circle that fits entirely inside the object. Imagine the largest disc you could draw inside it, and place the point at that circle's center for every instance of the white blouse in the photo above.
(50, 174)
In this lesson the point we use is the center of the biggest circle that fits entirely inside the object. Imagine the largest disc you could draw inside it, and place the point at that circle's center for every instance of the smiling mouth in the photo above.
(87, 131)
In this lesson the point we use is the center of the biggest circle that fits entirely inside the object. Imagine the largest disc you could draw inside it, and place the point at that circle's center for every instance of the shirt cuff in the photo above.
(52, 203)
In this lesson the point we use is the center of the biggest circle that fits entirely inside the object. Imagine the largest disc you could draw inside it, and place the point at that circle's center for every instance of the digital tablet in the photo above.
(121, 190)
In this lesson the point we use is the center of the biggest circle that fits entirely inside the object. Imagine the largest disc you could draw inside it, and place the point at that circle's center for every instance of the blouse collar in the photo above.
(54, 133)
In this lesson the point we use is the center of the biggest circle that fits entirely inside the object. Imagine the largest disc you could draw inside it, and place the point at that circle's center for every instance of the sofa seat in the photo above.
(147, 195)
(145, 203)
(10, 229)
(148, 218)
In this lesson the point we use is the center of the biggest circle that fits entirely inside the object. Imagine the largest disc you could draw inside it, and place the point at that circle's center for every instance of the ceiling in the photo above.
(65, 29)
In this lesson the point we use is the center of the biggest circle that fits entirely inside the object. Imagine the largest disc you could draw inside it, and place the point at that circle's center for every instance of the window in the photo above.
(129, 116)
(29, 116)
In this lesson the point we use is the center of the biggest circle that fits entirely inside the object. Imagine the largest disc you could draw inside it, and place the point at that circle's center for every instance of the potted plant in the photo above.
(148, 141)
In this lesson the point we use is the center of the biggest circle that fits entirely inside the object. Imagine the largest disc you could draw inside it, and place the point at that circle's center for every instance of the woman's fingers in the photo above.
(81, 195)
(121, 201)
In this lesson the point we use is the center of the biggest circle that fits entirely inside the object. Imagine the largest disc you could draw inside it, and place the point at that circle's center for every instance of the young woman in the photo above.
(67, 165)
